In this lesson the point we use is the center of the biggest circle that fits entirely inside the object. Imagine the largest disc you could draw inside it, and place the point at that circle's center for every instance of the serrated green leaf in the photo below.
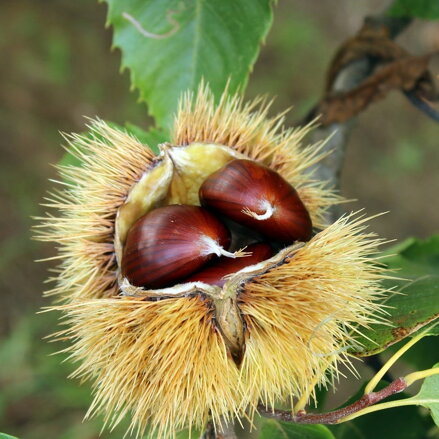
(170, 45)
(418, 301)
(428, 9)
(272, 429)
(6, 436)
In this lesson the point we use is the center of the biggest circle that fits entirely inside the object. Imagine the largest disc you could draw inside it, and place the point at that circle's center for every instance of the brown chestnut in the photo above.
(169, 243)
(214, 273)
(255, 196)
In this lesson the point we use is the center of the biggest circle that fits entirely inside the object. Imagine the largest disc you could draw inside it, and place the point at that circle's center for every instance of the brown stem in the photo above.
(349, 77)
(335, 416)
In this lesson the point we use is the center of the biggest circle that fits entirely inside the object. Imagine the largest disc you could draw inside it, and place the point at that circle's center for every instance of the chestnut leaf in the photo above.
(169, 46)
(416, 303)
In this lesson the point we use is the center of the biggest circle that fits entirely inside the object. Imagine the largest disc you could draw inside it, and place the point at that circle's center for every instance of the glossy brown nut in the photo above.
(214, 273)
(259, 198)
(169, 243)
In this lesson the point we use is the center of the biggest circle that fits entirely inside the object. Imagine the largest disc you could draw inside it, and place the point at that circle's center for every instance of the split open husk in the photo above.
(177, 357)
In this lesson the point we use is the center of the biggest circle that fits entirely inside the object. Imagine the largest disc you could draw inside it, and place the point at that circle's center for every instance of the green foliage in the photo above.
(428, 9)
(169, 45)
(428, 396)
(6, 436)
(272, 429)
(416, 301)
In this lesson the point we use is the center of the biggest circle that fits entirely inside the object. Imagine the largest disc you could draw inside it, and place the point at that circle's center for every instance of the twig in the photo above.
(349, 77)
(335, 416)
(370, 398)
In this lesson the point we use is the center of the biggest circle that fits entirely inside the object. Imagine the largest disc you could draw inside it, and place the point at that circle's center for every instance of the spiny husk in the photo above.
(163, 362)
(302, 316)
(167, 362)
(112, 162)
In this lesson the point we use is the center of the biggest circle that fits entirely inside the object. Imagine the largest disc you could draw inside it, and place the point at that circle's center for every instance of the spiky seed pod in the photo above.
(178, 356)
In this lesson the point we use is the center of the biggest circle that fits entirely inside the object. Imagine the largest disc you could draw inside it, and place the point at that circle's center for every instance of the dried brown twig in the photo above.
(353, 65)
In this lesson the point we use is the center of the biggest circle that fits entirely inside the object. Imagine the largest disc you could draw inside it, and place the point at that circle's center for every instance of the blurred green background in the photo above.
(57, 67)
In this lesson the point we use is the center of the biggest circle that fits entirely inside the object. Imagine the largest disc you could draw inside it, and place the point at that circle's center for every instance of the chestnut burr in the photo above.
(169, 243)
(259, 198)
(215, 272)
